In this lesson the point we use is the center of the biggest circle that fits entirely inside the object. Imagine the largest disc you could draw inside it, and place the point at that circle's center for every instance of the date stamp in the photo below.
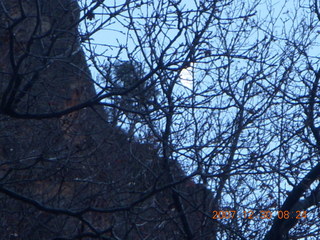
(263, 214)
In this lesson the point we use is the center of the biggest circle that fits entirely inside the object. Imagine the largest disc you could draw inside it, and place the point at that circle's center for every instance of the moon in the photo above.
(186, 76)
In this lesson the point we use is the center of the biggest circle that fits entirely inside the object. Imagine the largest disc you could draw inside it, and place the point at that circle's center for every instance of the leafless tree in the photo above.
(100, 138)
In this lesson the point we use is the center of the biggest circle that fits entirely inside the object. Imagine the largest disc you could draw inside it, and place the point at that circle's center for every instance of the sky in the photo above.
(106, 41)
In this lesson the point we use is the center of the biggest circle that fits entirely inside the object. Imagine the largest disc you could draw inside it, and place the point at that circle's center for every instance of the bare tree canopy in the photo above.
(164, 119)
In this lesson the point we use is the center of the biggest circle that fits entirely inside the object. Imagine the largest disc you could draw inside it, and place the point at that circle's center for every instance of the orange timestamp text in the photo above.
(263, 214)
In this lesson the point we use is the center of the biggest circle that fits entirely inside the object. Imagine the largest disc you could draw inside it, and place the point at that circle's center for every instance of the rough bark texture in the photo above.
(75, 176)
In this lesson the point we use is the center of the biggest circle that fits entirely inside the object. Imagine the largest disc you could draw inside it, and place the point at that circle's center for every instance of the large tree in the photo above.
(235, 156)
